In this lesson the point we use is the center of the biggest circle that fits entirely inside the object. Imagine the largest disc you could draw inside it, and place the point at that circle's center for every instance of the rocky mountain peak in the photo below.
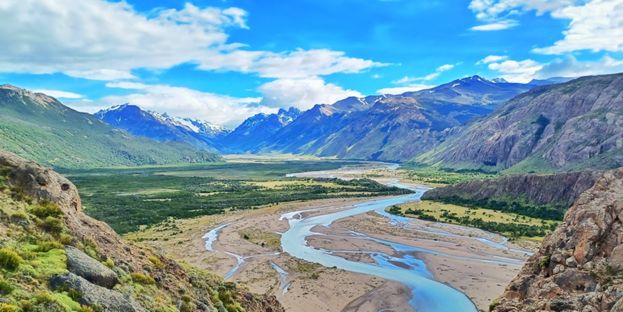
(579, 267)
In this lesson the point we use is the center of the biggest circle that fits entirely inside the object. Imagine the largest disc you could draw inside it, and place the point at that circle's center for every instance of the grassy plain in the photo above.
(506, 223)
(132, 198)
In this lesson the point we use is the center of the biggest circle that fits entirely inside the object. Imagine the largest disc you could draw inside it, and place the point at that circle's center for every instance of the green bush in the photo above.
(9, 259)
(5, 287)
(141, 278)
(46, 246)
(52, 225)
(109, 263)
(46, 209)
(5, 307)
(156, 262)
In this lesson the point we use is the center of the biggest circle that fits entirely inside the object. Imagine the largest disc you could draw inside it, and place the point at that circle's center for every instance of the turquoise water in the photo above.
(428, 294)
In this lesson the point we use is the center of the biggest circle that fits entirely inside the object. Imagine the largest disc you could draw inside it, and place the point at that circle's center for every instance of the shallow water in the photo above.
(428, 294)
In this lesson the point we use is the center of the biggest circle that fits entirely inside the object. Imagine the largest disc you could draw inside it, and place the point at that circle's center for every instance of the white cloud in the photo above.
(571, 67)
(429, 77)
(501, 25)
(496, 9)
(492, 58)
(302, 93)
(595, 26)
(103, 40)
(294, 64)
(516, 71)
(184, 102)
(59, 94)
(526, 70)
(401, 90)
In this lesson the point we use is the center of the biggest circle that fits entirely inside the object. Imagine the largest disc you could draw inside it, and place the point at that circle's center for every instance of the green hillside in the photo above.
(41, 128)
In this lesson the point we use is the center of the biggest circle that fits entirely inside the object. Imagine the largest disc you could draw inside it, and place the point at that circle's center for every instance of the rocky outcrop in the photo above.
(556, 191)
(579, 267)
(173, 284)
(578, 124)
(90, 269)
(93, 295)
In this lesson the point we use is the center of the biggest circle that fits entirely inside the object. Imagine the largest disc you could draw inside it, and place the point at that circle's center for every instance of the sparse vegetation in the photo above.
(142, 278)
(440, 176)
(509, 224)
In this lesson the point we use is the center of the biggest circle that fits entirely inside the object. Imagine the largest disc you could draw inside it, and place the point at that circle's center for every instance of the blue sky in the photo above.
(224, 60)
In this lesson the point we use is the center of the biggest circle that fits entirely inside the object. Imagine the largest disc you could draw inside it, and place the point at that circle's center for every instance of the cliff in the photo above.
(536, 195)
(579, 267)
(53, 257)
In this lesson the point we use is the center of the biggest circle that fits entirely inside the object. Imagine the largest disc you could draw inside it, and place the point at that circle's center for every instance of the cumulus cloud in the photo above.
(103, 40)
(179, 101)
(516, 71)
(293, 64)
(594, 25)
(500, 25)
(302, 93)
(429, 77)
(492, 58)
(60, 94)
(571, 67)
(526, 70)
(401, 90)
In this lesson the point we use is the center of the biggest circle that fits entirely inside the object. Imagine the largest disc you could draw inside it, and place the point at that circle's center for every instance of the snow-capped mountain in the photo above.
(254, 131)
(162, 127)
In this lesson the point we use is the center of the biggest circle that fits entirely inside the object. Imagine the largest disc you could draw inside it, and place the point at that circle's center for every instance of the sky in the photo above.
(225, 60)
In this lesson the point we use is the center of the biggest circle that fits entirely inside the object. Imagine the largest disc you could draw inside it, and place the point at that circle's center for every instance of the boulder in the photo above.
(90, 269)
(93, 295)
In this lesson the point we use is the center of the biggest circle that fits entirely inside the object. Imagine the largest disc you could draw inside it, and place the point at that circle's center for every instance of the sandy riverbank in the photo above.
(315, 288)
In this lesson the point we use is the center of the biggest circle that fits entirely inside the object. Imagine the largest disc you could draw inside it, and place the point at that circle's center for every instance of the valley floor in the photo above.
(247, 248)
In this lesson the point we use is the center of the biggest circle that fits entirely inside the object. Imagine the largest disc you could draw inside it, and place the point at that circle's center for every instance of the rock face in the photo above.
(93, 295)
(579, 267)
(90, 269)
(173, 283)
(578, 124)
(557, 191)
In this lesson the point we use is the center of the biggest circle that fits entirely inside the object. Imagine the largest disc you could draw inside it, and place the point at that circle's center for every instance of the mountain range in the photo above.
(470, 123)
(41, 128)
(378, 127)
(162, 127)
(389, 127)
(568, 126)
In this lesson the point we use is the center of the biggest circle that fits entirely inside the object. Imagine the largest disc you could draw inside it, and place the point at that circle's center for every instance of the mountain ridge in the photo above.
(568, 126)
(41, 128)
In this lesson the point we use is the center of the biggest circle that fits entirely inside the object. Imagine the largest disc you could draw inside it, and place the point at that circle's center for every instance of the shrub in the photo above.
(156, 261)
(109, 263)
(46, 209)
(9, 259)
(142, 278)
(52, 225)
(5, 287)
(5, 307)
(46, 246)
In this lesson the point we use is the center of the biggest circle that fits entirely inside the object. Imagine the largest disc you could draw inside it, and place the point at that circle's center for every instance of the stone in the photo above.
(90, 269)
(94, 295)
